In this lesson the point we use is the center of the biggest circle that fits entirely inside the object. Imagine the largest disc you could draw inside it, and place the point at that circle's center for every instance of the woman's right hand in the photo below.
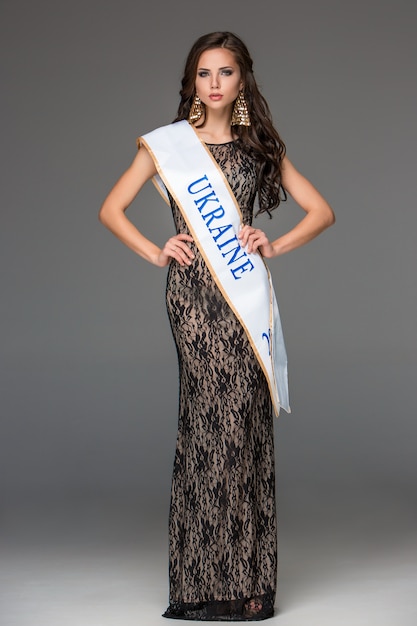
(178, 249)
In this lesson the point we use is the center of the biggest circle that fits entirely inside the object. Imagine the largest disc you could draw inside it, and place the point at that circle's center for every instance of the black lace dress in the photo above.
(222, 528)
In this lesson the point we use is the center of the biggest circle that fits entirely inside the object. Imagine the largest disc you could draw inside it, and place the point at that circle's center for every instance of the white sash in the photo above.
(186, 167)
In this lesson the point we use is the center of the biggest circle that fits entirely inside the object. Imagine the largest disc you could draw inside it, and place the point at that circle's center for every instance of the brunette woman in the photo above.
(222, 527)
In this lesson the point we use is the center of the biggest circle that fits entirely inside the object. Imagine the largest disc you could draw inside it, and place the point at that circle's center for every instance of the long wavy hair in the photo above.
(260, 139)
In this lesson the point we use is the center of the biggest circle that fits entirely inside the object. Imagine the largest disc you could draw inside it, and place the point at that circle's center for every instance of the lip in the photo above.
(215, 96)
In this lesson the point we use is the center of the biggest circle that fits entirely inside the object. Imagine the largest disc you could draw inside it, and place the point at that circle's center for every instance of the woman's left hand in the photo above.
(255, 239)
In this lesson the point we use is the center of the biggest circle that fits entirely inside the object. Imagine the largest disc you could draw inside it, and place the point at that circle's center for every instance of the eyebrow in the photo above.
(226, 67)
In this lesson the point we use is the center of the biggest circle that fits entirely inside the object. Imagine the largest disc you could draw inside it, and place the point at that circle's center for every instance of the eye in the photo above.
(202, 73)
(227, 72)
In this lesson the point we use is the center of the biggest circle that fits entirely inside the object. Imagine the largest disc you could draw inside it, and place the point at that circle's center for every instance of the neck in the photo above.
(216, 127)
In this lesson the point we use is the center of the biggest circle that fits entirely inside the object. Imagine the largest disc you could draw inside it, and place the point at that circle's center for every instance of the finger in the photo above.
(179, 241)
(245, 228)
(177, 256)
(183, 248)
(256, 240)
(244, 234)
(183, 237)
(180, 252)
(248, 237)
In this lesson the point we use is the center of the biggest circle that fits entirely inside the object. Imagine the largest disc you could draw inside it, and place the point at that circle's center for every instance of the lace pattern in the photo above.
(222, 525)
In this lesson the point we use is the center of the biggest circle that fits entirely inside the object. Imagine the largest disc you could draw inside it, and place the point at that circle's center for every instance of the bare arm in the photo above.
(112, 215)
(319, 216)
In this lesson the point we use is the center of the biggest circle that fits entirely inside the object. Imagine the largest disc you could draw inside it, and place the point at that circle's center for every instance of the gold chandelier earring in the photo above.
(240, 114)
(196, 111)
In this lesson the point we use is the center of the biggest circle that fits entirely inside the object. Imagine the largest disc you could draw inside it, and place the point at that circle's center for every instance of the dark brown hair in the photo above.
(260, 139)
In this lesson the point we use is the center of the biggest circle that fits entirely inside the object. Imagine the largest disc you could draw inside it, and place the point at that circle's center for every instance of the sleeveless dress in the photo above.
(222, 523)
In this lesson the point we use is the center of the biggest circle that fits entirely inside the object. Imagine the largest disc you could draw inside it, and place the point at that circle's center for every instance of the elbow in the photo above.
(330, 217)
(110, 213)
(102, 216)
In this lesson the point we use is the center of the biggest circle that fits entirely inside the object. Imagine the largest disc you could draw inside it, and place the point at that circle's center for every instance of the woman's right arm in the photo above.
(112, 215)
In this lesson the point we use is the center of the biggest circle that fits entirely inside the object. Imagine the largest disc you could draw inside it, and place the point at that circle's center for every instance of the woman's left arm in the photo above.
(319, 216)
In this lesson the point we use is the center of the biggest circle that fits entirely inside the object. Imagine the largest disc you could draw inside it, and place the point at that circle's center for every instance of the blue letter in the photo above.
(206, 199)
(214, 215)
(221, 229)
(234, 252)
(222, 245)
(196, 182)
(242, 268)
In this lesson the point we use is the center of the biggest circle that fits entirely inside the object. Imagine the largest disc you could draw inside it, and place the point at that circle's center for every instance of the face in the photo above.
(218, 79)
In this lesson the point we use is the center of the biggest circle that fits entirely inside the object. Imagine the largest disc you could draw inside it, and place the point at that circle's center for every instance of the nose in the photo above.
(215, 81)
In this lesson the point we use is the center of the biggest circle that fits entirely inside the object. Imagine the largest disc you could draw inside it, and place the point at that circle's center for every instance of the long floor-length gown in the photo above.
(222, 527)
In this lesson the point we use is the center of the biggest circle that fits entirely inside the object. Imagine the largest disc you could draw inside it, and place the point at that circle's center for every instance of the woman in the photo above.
(223, 546)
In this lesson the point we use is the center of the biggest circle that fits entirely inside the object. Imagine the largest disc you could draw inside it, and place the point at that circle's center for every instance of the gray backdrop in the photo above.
(89, 374)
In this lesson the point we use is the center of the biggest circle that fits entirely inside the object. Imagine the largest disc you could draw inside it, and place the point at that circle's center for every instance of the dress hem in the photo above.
(222, 611)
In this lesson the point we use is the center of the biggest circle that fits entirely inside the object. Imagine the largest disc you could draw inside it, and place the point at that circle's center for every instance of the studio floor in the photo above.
(344, 559)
